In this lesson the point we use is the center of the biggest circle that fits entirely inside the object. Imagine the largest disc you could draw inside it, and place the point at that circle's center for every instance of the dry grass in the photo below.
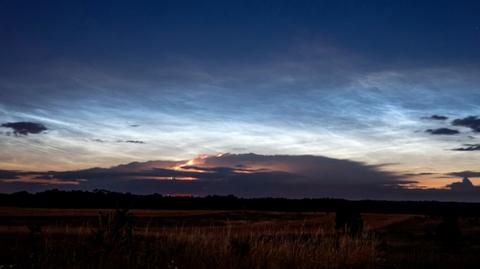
(262, 247)
(117, 244)
(60, 238)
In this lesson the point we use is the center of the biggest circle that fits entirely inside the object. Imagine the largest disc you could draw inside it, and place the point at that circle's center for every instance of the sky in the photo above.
(388, 86)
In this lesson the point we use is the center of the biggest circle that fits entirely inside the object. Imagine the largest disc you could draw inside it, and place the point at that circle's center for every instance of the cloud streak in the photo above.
(132, 141)
(468, 147)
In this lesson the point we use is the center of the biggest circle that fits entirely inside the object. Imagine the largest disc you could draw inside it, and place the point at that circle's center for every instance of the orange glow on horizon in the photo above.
(436, 182)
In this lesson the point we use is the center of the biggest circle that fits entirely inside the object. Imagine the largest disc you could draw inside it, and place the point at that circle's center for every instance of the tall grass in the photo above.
(114, 245)
(265, 247)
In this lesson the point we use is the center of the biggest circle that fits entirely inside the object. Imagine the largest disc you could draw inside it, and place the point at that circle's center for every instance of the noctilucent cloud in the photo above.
(392, 84)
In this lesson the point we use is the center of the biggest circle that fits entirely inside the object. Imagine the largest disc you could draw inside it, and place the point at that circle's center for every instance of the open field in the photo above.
(49, 217)
(104, 238)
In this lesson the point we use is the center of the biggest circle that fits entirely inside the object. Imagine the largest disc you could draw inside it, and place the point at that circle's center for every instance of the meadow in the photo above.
(106, 238)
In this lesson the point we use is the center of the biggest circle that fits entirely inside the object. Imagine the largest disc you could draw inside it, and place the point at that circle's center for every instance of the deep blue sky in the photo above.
(142, 34)
(120, 81)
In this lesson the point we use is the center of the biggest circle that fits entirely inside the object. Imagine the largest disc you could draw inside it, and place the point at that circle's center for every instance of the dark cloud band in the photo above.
(442, 131)
(133, 141)
(472, 122)
(436, 117)
(25, 127)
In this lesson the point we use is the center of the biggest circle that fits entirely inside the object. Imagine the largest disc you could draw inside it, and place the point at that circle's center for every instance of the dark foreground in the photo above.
(106, 238)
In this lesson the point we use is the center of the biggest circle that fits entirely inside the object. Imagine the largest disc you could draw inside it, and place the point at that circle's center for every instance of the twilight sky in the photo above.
(391, 86)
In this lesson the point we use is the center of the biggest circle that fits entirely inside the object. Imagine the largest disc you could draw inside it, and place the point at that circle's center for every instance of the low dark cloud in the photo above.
(245, 175)
(418, 174)
(465, 174)
(464, 185)
(6, 174)
(468, 147)
(442, 131)
(436, 117)
(472, 122)
(25, 127)
(119, 141)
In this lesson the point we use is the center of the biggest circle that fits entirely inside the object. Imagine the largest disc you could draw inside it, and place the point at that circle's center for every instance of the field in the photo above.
(105, 238)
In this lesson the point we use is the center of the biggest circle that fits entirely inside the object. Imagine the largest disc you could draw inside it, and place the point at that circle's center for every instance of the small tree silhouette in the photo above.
(115, 229)
(349, 220)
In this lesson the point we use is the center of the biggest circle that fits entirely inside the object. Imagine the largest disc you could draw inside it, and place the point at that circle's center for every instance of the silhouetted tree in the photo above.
(115, 229)
(348, 219)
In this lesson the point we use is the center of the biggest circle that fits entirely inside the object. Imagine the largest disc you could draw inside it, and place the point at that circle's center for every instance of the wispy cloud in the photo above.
(468, 147)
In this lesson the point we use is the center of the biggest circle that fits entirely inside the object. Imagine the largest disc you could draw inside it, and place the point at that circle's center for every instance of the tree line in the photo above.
(106, 199)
